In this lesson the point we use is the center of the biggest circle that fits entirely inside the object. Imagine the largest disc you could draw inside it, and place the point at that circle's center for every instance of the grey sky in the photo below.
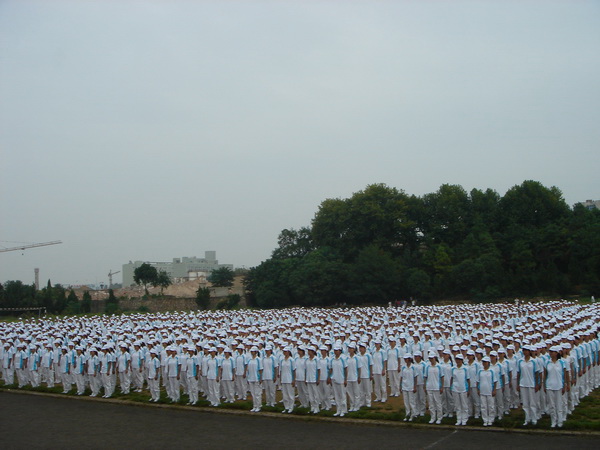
(147, 130)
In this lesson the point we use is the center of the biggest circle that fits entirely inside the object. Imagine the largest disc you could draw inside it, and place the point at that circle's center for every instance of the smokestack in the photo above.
(37, 278)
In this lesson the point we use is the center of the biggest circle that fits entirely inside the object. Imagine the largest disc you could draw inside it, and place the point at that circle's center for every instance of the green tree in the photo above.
(318, 279)
(418, 283)
(86, 302)
(163, 280)
(203, 298)
(377, 215)
(112, 303)
(375, 277)
(531, 204)
(233, 300)
(293, 243)
(15, 294)
(145, 275)
(221, 277)
(72, 306)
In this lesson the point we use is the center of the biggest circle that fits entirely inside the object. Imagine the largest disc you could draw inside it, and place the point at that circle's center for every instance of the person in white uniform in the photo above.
(269, 375)
(338, 375)
(287, 368)
(154, 367)
(434, 385)
(227, 376)
(300, 375)
(528, 385)
(365, 373)
(460, 390)
(312, 380)
(93, 371)
(393, 367)
(253, 374)
(556, 382)
(379, 358)
(408, 382)
(241, 385)
(352, 379)
(486, 386)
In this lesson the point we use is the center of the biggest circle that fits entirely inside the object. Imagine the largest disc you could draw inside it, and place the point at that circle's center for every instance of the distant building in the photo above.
(180, 269)
(591, 204)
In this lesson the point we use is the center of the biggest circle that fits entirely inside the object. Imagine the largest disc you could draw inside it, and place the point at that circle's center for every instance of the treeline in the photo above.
(381, 245)
(56, 299)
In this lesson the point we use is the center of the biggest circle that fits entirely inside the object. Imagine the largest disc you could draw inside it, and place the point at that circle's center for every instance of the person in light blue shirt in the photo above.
(154, 367)
(408, 382)
(227, 375)
(459, 385)
(269, 375)
(287, 367)
(253, 374)
(338, 376)
(434, 385)
(487, 385)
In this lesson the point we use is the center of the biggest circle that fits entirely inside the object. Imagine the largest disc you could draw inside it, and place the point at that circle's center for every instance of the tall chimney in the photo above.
(37, 278)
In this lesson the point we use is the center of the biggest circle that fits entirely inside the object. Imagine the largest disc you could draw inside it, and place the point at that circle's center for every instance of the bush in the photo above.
(112, 308)
(223, 304)
(233, 301)
(203, 298)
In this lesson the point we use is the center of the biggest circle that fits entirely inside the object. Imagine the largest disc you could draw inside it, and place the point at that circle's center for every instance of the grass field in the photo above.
(586, 416)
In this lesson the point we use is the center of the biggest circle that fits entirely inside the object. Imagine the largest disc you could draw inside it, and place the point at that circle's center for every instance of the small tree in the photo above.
(163, 280)
(86, 302)
(72, 306)
(112, 303)
(203, 298)
(145, 275)
(221, 277)
(233, 300)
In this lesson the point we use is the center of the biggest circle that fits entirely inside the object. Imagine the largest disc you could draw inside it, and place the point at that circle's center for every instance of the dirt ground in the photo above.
(186, 289)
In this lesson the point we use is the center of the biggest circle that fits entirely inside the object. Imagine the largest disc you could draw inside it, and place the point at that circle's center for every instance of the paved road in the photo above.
(32, 421)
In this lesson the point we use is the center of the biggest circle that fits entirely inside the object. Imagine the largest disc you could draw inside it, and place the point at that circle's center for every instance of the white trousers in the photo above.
(339, 394)
(287, 390)
(353, 391)
(556, 406)
(380, 388)
(228, 390)
(461, 406)
(529, 403)
(394, 377)
(488, 408)
(302, 393)
(434, 398)
(366, 392)
(313, 396)
(269, 387)
(256, 393)
(410, 403)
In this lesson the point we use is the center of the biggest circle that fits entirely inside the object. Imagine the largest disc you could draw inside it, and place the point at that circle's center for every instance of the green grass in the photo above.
(586, 416)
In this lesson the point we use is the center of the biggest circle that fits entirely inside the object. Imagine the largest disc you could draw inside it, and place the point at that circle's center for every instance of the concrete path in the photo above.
(38, 421)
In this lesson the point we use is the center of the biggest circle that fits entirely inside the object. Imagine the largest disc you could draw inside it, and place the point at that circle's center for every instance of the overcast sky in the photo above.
(147, 130)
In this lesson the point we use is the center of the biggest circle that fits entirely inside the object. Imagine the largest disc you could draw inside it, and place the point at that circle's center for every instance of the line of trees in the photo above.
(56, 299)
(381, 244)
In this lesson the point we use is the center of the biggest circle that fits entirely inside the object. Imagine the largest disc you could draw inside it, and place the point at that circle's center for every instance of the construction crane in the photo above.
(25, 247)
(110, 274)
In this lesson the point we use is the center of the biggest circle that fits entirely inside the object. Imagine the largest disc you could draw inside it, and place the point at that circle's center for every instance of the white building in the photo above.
(591, 204)
(180, 269)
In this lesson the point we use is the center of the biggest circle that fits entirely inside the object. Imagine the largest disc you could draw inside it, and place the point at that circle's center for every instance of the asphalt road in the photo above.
(32, 421)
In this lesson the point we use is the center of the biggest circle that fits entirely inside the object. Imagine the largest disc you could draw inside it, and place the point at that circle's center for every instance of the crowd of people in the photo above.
(462, 361)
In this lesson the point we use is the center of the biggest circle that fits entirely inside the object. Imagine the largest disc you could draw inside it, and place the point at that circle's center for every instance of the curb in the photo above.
(271, 415)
